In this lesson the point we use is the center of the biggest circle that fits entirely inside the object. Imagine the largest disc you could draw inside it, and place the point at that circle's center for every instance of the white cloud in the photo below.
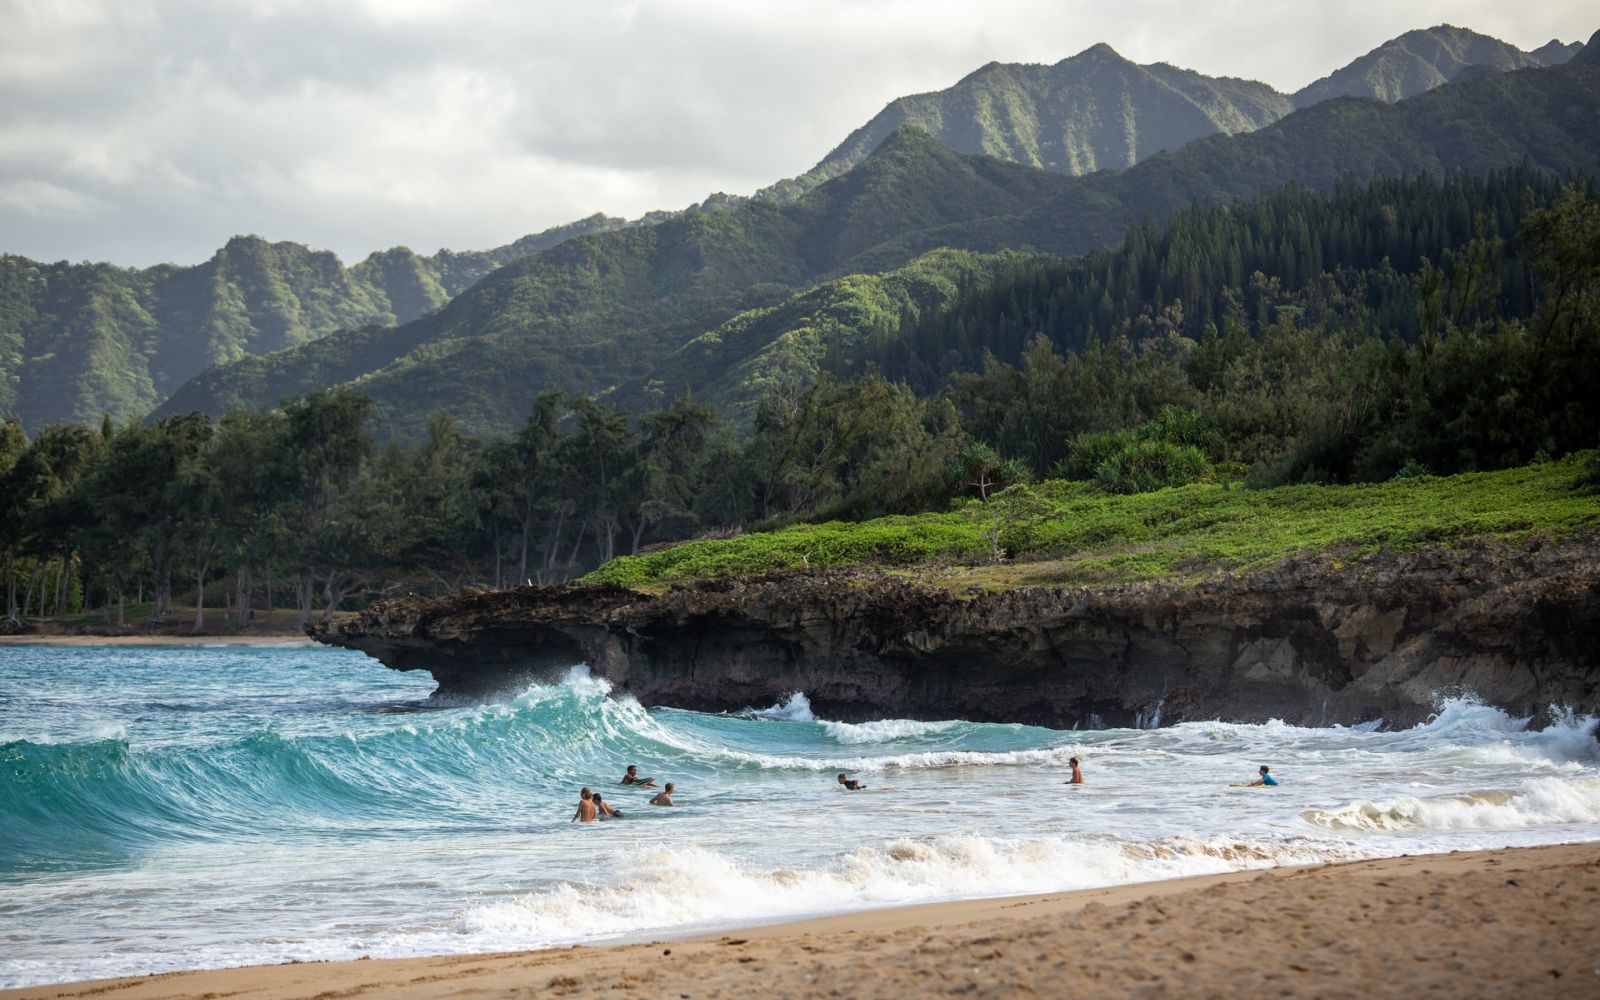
(45, 200)
(145, 130)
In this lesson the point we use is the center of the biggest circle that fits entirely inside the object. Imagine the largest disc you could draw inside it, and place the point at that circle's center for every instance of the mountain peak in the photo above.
(1098, 52)
(1414, 62)
(1589, 55)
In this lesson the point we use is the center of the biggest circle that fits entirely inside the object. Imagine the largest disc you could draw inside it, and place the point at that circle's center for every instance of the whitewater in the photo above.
(181, 807)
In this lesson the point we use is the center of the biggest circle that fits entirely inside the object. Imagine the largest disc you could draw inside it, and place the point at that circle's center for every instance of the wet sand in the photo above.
(1511, 923)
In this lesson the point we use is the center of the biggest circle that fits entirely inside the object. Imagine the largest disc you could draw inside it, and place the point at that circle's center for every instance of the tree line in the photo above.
(1483, 354)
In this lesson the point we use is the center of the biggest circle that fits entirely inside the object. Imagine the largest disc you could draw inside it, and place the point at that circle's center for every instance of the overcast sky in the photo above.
(139, 132)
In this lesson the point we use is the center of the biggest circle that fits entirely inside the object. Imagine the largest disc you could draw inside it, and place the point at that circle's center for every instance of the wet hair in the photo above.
(597, 796)
(1073, 762)
(586, 794)
(841, 775)
(1265, 769)
(670, 786)
(632, 768)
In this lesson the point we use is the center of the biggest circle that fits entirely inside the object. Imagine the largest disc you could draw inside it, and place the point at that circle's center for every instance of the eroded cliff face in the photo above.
(1313, 641)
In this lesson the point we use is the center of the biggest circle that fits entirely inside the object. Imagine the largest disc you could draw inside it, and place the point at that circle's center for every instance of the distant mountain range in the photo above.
(1097, 110)
(81, 340)
(729, 295)
(686, 305)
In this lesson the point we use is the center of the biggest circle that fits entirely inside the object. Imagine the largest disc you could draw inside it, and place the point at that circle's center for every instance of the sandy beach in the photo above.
(1519, 922)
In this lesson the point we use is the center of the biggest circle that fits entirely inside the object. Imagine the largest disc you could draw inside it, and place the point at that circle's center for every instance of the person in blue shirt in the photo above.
(1265, 779)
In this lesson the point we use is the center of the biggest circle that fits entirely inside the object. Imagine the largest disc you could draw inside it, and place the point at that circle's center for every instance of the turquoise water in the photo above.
(166, 807)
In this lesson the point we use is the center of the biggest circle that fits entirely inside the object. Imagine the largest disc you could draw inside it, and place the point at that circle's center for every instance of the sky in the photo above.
(144, 131)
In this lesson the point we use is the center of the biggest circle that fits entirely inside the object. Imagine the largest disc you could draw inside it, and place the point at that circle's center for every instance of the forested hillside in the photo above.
(618, 309)
(1400, 330)
(78, 341)
(602, 310)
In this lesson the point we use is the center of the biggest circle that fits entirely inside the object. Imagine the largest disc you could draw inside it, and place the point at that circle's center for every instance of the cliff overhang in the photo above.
(1313, 640)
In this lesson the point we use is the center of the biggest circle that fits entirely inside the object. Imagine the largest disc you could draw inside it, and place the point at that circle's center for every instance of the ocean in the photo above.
(187, 807)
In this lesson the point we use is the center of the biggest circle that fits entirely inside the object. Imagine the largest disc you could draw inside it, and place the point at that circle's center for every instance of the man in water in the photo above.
(586, 809)
(632, 778)
(663, 797)
(1265, 779)
(1077, 775)
(851, 784)
(605, 810)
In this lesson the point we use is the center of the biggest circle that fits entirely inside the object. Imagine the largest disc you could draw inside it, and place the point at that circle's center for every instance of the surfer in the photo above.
(850, 784)
(605, 810)
(632, 778)
(1077, 775)
(1265, 780)
(586, 809)
(663, 797)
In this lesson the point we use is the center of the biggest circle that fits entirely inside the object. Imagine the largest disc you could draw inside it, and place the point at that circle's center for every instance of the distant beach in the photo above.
(155, 640)
(1517, 922)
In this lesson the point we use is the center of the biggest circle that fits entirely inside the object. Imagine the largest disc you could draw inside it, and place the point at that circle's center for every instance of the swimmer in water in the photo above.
(663, 797)
(606, 810)
(1266, 779)
(1077, 775)
(632, 778)
(851, 784)
(586, 809)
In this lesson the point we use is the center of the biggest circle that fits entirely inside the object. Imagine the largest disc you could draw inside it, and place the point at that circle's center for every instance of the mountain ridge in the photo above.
(617, 337)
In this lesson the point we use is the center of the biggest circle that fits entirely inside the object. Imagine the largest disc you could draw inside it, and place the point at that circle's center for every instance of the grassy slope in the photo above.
(1078, 535)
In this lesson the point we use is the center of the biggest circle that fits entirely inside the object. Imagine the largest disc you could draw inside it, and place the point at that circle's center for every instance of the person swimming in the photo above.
(850, 784)
(663, 797)
(632, 778)
(1077, 775)
(586, 808)
(605, 810)
(1266, 779)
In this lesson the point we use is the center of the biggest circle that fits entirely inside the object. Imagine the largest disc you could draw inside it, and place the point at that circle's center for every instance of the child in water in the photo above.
(1265, 779)
(1077, 775)
(605, 810)
(586, 809)
(663, 797)
(632, 778)
(851, 784)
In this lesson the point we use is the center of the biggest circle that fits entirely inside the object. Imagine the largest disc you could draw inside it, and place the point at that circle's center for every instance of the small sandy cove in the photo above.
(1514, 923)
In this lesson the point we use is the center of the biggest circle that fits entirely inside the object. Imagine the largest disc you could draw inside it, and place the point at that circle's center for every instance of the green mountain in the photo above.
(1550, 117)
(1555, 52)
(1418, 61)
(704, 302)
(81, 340)
(1093, 111)
(602, 310)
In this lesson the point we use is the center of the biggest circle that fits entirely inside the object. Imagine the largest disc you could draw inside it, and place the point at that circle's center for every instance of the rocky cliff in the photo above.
(1316, 640)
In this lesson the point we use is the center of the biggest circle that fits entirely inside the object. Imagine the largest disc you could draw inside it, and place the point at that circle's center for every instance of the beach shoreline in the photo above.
(1522, 921)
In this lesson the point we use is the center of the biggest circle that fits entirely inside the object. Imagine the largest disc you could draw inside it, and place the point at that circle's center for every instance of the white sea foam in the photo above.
(689, 887)
(885, 730)
(1539, 802)
(795, 708)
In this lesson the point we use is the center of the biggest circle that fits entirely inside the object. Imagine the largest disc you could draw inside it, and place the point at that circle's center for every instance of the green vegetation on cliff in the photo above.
(1072, 533)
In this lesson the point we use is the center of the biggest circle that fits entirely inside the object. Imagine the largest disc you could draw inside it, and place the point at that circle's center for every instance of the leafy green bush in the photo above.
(1151, 465)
